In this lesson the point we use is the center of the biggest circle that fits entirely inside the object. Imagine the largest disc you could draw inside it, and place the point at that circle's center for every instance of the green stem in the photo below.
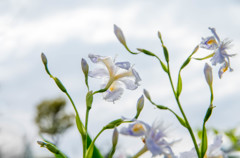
(86, 126)
(184, 116)
(93, 142)
(75, 109)
(111, 80)
(142, 151)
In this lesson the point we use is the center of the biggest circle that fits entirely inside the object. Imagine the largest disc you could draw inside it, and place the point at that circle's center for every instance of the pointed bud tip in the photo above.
(115, 137)
(44, 58)
(147, 95)
(119, 34)
(140, 103)
(85, 67)
(208, 74)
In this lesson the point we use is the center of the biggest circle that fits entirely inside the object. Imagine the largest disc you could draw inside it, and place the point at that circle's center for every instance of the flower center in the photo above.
(211, 41)
(137, 128)
(112, 88)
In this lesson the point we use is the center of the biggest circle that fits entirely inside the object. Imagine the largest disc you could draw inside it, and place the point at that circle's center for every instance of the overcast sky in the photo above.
(67, 31)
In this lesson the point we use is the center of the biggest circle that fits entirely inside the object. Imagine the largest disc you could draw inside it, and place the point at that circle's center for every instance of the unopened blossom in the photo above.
(115, 75)
(213, 151)
(208, 74)
(220, 54)
(153, 136)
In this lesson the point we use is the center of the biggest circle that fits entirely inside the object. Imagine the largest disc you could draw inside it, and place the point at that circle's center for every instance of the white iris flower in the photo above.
(153, 136)
(214, 150)
(114, 76)
(220, 54)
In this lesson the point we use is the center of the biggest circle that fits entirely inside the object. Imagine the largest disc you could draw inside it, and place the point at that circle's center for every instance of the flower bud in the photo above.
(146, 52)
(208, 74)
(89, 99)
(145, 92)
(41, 143)
(114, 124)
(44, 59)
(85, 67)
(140, 104)
(59, 84)
(119, 34)
(115, 137)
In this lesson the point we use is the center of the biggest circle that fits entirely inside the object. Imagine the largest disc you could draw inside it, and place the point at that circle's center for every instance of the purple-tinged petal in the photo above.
(124, 65)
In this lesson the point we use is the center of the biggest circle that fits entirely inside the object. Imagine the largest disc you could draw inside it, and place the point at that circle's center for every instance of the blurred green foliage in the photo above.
(52, 119)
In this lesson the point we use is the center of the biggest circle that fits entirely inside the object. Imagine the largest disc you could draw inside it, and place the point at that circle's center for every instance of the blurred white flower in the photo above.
(220, 54)
(214, 150)
(114, 76)
(153, 136)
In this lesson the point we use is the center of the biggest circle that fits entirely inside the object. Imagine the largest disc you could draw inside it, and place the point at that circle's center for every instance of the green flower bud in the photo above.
(89, 99)
(59, 84)
(41, 143)
(114, 124)
(85, 67)
(160, 37)
(52, 148)
(147, 95)
(146, 52)
(44, 59)
(140, 104)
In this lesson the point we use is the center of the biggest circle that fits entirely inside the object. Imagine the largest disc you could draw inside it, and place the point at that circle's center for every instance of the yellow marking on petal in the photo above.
(111, 89)
(225, 69)
(211, 41)
(138, 128)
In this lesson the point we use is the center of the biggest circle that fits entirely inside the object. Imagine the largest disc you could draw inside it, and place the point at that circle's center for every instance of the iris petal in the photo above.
(129, 84)
(114, 92)
(124, 65)
(98, 73)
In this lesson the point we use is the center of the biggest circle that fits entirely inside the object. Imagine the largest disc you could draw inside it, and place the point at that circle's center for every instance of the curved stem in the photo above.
(75, 109)
(142, 151)
(183, 114)
(86, 126)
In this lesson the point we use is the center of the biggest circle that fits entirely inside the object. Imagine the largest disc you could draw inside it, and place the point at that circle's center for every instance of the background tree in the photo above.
(52, 119)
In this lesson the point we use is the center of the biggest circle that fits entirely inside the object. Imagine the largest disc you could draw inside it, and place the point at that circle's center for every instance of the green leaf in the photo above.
(89, 153)
(96, 153)
(179, 85)
(204, 144)
(80, 127)
(206, 57)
